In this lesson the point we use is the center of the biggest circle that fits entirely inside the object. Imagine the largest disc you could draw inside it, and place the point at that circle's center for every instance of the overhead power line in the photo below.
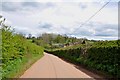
(92, 16)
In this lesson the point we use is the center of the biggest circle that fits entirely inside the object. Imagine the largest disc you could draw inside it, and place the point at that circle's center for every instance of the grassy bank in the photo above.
(18, 54)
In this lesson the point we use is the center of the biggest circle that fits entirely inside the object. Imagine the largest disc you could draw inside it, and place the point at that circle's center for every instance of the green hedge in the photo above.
(105, 59)
(101, 56)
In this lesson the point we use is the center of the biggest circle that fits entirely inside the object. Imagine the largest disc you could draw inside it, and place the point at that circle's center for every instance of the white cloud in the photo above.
(63, 17)
(60, 1)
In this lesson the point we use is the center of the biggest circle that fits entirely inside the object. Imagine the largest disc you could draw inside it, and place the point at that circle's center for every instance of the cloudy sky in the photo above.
(63, 17)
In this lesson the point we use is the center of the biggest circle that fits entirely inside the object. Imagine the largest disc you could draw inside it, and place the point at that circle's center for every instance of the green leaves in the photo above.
(16, 51)
(103, 56)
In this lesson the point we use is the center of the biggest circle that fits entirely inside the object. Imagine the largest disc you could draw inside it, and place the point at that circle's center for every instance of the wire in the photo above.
(92, 16)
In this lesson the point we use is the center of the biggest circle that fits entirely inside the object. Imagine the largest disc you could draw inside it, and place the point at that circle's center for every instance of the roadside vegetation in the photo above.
(18, 54)
(101, 56)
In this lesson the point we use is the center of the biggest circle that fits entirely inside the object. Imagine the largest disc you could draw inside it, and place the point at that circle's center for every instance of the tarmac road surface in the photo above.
(50, 66)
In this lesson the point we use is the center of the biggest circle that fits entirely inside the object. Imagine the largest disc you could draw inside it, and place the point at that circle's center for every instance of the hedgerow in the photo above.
(102, 56)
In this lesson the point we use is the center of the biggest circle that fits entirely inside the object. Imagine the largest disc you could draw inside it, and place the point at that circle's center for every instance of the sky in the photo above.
(63, 17)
